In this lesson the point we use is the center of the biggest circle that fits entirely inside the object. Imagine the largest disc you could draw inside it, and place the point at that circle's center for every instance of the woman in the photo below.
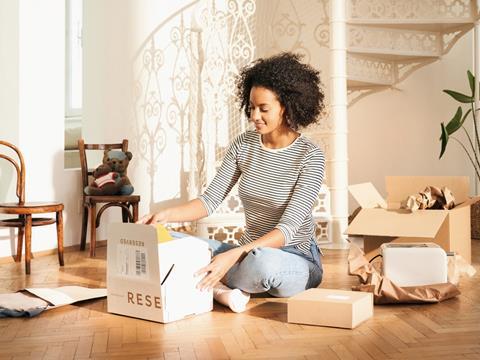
(280, 174)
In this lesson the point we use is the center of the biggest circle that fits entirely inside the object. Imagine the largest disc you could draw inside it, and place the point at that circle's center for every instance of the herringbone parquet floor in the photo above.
(449, 330)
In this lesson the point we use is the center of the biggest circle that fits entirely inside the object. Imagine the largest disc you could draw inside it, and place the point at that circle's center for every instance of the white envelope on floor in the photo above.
(65, 295)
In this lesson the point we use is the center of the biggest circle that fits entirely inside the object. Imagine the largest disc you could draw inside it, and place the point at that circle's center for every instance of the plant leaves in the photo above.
(444, 139)
(459, 96)
(465, 116)
(454, 124)
(471, 80)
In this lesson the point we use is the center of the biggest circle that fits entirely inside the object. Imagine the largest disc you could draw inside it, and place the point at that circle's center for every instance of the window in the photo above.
(73, 81)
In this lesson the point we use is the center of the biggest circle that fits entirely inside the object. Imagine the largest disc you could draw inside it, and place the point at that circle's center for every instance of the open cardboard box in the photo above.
(150, 275)
(381, 221)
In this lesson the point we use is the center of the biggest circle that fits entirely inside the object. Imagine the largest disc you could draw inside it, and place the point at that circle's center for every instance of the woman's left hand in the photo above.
(217, 268)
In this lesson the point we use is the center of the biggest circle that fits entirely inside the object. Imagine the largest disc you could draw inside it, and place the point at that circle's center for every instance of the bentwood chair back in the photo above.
(25, 211)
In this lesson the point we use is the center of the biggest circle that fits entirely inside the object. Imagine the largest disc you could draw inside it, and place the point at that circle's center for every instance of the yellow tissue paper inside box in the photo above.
(163, 234)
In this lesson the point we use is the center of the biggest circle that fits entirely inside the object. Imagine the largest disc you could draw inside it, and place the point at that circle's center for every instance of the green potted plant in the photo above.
(472, 148)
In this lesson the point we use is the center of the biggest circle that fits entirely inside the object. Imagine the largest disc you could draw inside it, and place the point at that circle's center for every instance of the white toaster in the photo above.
(414, 264)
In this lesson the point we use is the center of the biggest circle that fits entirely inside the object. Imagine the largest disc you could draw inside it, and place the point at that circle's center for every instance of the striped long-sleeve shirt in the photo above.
(278, 187)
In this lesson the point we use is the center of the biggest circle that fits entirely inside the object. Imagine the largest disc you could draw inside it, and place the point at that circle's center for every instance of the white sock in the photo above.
(235, 299)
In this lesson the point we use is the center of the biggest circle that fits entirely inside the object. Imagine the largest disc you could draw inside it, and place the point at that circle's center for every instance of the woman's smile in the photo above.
(259, 125)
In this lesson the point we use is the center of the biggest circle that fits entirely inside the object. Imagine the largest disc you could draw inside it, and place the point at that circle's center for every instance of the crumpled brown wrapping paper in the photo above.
(431, 198)
(386, 292)
(457, 266)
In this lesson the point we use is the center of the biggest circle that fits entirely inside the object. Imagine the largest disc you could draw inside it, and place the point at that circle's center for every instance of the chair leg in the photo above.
(21, 231)
(93, 229)
(125, 217)
(83, 239)
(135, 212)
(28, 242)
(60, 236)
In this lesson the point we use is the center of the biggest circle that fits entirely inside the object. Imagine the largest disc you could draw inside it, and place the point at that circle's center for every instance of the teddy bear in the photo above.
(105, 181)
(110, 177)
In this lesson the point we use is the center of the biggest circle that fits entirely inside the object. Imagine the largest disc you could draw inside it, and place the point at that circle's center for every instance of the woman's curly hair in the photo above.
(297, 86)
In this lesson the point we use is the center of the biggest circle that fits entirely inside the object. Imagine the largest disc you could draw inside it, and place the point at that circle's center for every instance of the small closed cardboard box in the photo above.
(150, 275)
(380, 221)
(329, 307)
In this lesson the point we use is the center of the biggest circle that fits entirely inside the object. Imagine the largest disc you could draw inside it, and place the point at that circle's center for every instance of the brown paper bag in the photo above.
(430, 198)
(386, 292)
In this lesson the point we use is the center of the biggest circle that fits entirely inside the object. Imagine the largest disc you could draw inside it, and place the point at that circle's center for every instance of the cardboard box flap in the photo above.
(397, 223)
(367, 196)
(400, 187)
(469, 202)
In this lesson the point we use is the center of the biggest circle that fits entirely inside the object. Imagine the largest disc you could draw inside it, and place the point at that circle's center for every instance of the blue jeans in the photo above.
(279, 272)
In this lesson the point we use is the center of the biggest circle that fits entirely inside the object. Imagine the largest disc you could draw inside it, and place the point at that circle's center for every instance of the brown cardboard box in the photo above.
(329, 307)
(382, 221)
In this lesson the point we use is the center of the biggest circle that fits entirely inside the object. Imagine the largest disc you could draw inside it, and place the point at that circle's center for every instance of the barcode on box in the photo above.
(132, 261)
(140, 262)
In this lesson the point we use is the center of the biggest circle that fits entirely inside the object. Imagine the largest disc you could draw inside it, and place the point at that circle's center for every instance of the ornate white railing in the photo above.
(184, 103)
(410, 11)
(167, 70)
(228, 226)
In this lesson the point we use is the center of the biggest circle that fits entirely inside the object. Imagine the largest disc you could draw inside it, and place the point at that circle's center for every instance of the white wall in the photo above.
(396, 132)
(35, 109)
(8, 91)
(107, 74)
(8, 104)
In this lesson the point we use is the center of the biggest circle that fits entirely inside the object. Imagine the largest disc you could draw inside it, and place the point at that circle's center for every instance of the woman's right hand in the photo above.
(160, 217)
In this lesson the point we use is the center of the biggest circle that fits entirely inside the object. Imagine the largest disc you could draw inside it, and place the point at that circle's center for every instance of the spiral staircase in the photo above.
(389, 39)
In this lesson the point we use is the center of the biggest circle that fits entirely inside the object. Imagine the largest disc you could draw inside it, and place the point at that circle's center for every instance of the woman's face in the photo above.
(266, 112)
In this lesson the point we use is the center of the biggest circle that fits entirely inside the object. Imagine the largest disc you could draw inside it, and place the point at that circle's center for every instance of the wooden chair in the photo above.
(125, 202)
(25, 221)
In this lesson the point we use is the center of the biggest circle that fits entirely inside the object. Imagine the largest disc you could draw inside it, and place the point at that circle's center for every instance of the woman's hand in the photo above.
(160, 217)
(218, 267)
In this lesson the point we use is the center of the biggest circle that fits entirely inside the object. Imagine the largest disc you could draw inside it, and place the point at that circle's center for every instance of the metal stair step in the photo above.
(388, 42)
(367, 70)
